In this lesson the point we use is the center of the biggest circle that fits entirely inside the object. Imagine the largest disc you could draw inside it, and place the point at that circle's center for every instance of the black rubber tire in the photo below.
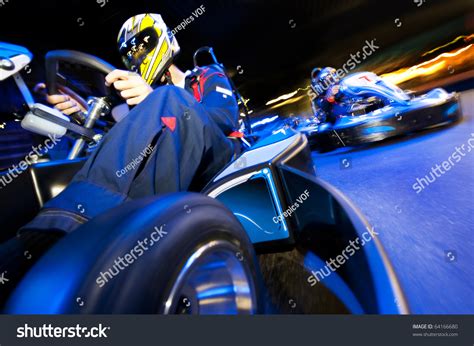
(67, 274)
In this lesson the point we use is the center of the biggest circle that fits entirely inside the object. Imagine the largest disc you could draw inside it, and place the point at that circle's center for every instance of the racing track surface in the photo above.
(418, 231)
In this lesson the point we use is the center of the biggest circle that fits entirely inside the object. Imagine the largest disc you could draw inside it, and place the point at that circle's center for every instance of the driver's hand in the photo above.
(335, 90)
(332, 93)
(132, 87)
(64, 103)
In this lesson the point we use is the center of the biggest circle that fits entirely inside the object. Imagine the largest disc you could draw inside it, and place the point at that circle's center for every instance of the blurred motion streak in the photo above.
(465, 37)
(451, 59)
(289, 101)
(286, 96)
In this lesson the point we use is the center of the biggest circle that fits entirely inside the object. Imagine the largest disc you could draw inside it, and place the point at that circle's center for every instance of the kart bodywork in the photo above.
(272, 204)
(257, 188)
(372, 110)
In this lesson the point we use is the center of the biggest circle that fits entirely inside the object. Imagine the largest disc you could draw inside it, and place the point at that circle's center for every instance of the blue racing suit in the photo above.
(326, 106)
(175, 140)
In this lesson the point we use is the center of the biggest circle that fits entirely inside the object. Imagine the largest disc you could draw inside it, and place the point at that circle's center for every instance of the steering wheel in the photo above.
(56, 83)
(100, 106)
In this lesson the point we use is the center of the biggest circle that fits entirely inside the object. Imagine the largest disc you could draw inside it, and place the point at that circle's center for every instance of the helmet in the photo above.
(315, 73)
(147, 46)
(323, 78)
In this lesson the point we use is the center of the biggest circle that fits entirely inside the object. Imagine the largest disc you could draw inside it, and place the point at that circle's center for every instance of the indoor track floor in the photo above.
(428, 236)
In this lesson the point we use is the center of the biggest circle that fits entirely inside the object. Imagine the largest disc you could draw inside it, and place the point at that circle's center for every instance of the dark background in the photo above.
(276, 43)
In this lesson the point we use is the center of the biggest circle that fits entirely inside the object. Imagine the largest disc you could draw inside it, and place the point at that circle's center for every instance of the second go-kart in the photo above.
(252, 241)
(370, 109)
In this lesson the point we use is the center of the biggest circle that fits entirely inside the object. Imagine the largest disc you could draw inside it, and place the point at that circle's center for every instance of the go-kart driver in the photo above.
(324, 82)
(185, 123)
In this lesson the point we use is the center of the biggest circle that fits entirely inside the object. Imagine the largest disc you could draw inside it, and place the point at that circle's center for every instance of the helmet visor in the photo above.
(136, 49)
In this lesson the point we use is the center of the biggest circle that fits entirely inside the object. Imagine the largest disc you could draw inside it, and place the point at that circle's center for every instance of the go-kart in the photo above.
(370, 109)
(251, 242)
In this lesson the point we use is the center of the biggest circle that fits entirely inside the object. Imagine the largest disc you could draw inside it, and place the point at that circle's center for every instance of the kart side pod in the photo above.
(251, 187)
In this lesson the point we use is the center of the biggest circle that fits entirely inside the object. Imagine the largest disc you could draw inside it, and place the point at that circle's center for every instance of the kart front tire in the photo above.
(198, 260)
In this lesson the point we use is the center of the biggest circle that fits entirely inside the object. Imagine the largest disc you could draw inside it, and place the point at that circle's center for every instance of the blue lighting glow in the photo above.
(378, 129)
(451, 110)
(216, 292)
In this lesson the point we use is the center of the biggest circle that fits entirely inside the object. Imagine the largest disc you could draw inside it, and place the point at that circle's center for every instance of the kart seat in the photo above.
(22, 197)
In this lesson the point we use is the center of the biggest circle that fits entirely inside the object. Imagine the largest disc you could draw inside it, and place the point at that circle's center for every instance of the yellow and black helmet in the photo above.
(147, 46)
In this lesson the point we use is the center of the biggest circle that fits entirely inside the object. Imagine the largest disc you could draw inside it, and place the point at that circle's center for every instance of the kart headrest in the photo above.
(205, 56)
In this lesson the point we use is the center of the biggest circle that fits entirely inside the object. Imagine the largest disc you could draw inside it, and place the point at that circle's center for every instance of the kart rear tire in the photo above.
(200, 242)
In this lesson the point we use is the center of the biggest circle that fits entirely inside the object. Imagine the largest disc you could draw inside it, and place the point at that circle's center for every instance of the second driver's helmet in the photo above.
(147, 46)
(323, 78)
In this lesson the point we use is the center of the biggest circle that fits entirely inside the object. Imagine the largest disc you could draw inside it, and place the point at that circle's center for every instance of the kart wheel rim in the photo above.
(214, 280)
